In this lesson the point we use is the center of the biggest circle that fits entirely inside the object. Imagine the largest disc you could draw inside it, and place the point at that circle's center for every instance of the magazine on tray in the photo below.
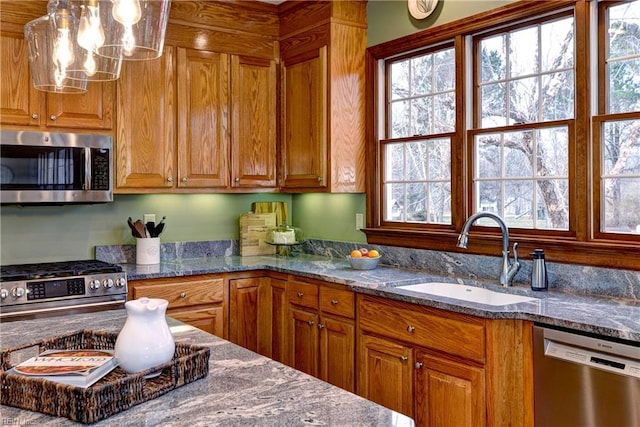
(80, 368)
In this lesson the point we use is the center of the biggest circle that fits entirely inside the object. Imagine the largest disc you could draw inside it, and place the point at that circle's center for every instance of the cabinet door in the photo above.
(303, 346)
(203, 122)
(448, 393)
(279, 320)
(385, 373)
(304, 127)
(253, 157)
(209, 319)
(337, 352)
(91, 110)
(250, 314)
(145, 139)
(20, 102)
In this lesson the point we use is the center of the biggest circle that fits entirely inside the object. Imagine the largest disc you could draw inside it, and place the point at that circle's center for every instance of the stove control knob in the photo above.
(107, 283)
(4, 293)
(120, 282)
(94, 284)
(17, 292)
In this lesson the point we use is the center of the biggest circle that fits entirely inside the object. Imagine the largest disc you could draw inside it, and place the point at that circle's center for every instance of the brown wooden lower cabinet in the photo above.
(196, 300)
(443, 368)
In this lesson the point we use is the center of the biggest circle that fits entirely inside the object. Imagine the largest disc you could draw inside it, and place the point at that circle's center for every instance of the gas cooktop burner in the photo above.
(47, 270)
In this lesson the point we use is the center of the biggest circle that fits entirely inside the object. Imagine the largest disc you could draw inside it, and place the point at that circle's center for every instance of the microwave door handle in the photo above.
(87, 168)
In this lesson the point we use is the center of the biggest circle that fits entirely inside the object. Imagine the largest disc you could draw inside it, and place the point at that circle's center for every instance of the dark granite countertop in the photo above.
(242, 388)
(619, 318)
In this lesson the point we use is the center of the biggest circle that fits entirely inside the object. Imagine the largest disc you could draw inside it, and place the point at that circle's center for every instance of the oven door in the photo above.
(62, 307)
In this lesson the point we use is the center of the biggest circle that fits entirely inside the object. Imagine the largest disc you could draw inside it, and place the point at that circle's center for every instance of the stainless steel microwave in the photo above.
(55, 168)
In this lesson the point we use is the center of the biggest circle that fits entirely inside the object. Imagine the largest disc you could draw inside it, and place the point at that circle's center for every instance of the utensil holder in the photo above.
(148, 250)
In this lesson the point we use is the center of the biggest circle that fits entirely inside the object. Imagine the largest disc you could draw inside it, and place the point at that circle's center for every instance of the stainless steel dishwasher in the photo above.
(582, 380)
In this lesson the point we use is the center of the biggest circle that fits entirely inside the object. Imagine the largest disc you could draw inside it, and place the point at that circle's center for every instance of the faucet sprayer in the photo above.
(509, 269)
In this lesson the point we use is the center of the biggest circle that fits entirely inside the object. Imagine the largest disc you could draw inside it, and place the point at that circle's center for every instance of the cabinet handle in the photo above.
(35, 116)
(334, 302)
(418, 365)
(184, 179)
(310, 322)
(53, 118)
(170, 179)
(403, 358)
(320, 326)
(300, 294)
(183, 294)
(410, 329)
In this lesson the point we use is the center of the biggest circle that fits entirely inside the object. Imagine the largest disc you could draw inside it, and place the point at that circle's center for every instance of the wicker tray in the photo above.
(115, 392)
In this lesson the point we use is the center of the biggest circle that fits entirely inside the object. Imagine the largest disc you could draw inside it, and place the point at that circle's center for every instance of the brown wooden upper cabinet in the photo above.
(180, 116)
(322, 138)
(23, 105)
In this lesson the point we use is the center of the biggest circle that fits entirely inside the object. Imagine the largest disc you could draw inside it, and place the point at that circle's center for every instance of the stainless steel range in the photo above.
(47, 289)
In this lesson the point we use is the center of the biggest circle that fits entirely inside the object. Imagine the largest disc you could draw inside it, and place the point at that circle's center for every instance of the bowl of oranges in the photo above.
(364, 259)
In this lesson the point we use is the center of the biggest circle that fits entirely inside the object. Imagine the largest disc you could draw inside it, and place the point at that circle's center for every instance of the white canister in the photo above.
(148, 250)
(145, 340)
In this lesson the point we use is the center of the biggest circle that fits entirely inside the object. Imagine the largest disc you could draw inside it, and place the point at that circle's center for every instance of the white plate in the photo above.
(420, 9)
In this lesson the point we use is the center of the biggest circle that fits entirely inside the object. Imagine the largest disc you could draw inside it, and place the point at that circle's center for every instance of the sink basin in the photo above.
(467, 293)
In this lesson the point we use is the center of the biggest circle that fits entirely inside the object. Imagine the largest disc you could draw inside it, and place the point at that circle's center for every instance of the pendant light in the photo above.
(138, 27)
(91, 37)
(53, 51)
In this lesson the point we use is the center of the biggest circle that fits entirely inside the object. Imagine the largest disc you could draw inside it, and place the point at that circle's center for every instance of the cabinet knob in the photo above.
(35, 116)
(53, 118)
(418, 365)
(310, 322)
(170, 179)
(300, 294)
(184, 179)
(320, 326)
(237, 180)
(319, 179)
(334, 302)
(183, 294)
(410, 329)
(403, 358)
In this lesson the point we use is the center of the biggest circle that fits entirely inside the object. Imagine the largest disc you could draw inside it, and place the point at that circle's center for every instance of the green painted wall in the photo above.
(56, 233)
(43, 233)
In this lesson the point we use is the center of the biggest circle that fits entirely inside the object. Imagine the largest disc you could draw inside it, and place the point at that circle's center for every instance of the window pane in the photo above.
(558, 96)
(394, 202)
(621, 147)
(557, 49)
(416, 203)
(488, 156)
(444, 113)
(421, 75)
(394, 162)
(518, 203)
(624, 86)
(623, 57)
(523, 52)
(624, 38)
(621, 205)
(400, 80)
(523, 101)
(493, 53)
(489, 197)
(552, 204)
(439, 159)
(440, 203)
(422, 116)
(400, 119)
(494, 105)
(552, 152)
(445, 70)
(416, 164)
(518, 154)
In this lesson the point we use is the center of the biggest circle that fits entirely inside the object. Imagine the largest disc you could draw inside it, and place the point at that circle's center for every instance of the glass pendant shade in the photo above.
(53, 51)
(91, 37)
(137, 27)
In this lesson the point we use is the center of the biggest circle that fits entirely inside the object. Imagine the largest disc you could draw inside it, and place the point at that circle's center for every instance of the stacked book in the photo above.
(80, 368)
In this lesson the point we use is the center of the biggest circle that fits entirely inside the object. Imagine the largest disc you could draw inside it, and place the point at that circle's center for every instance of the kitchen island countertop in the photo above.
(618, 318)
(242, 388)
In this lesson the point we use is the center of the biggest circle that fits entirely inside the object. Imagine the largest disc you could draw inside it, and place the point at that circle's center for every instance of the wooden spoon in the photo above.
(142, 231)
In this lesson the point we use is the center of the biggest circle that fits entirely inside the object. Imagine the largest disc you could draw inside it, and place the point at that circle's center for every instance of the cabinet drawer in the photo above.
(340, 302)
(304, 294)
(452, 333)
(183, 293)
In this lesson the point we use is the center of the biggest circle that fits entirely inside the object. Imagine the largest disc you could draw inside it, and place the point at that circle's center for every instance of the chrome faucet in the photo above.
(509, 269)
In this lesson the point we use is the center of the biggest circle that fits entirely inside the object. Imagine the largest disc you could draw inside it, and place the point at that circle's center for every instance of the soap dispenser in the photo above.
(539, 279)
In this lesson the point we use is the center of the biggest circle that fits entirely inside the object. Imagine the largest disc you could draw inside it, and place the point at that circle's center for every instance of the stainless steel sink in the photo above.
(467, 293)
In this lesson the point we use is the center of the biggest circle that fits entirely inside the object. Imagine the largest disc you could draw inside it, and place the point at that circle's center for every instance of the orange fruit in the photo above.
(373, 253)
(356, 254)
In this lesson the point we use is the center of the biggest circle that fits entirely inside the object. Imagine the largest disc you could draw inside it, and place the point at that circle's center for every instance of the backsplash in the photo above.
(568, 278)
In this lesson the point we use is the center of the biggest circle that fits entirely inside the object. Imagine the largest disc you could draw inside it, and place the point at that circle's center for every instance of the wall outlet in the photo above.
(359, 221)
(148, 218)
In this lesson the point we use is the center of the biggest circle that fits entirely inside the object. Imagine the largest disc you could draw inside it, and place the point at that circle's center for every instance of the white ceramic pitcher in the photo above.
(145, 340)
